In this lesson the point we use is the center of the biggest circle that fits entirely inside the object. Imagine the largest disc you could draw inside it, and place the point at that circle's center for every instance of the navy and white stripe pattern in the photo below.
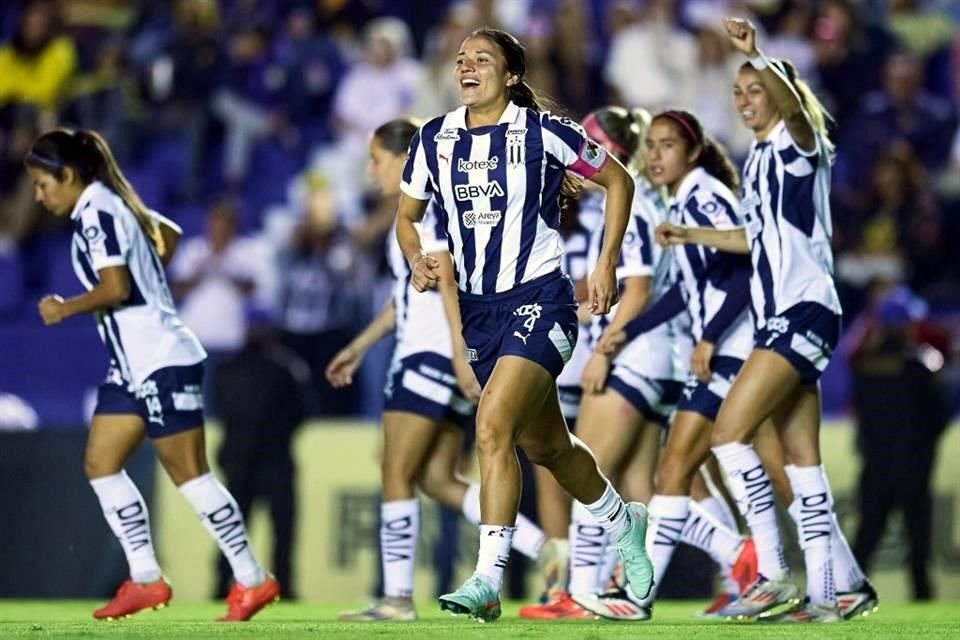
(703, 201)
(143, 333)
(417, 311)
(786, 207)
(498, 188)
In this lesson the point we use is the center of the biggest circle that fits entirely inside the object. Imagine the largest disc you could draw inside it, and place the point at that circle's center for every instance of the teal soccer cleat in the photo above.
(475, 598)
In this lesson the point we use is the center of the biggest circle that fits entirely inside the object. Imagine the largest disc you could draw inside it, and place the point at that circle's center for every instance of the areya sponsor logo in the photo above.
(473, 219)
(477, 165)
(470, 191)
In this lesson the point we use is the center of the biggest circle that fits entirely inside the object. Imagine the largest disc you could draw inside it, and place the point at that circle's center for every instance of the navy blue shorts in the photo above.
(536, 320)
(806, 335)
(169, 400)
(654, 399)
(706, 398)
(424, 384)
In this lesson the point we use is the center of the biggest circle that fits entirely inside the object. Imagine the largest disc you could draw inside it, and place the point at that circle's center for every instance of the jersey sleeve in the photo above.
(565, 140)
(106, 242)
(714, 210)
(433, 233)
(415, 180)
(636, 256)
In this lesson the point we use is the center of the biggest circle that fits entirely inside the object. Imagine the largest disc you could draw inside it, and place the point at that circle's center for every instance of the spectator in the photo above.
(322, 285)
(213, 276)
(901, 410)
(652, 62)
(257, 391)
(903, 110)
(37, 63)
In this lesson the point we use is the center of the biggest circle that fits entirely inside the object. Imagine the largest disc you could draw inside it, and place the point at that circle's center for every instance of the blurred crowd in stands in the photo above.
(246, 121)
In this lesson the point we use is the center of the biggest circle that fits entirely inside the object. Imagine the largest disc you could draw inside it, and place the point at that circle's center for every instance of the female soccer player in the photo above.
(497, 166)
(152, 387)
(713, 286)
(430, 396)
(786, 182)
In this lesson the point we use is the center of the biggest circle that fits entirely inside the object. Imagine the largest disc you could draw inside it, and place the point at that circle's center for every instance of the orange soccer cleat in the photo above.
(560, 606)
(244, 602)
(135, 596)
(745, 568)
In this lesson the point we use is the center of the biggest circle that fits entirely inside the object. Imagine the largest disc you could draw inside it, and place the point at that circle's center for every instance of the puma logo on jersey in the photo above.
(517, 334)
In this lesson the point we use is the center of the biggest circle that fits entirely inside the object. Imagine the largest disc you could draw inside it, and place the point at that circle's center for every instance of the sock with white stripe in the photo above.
(588, 542)
(126, 513)
(529, 538)
(751, 488)
(609, 564)
(222, 519)
(399, 530)
(495, 541)
(812, 510)
(712, 527)
(847, 572)
(668, 515)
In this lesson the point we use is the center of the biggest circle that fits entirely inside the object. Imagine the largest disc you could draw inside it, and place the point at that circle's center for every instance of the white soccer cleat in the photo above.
(383, 610)
(614, 605)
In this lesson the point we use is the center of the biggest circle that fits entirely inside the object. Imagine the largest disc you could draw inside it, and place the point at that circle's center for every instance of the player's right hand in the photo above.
(340, 371)
(425, 272)
(668, 234)
(594, 377)
(611, 342)
(467, 380)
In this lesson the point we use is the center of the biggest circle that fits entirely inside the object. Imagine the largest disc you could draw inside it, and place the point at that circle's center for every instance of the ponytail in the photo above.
(713, 155)
(87, 153)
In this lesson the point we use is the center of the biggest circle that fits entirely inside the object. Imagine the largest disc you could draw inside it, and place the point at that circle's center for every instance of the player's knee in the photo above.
(95, 467)
(434, 481)
(395, 473)
(493, 435)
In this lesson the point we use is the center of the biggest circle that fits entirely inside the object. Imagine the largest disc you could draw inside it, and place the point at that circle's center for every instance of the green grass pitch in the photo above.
(673, 621)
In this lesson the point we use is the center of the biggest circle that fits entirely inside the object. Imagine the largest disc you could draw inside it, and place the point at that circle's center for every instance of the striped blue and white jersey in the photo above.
(575, 248)
(421, 324)
(498, 188)
(659, 353)
(143, 333)
(705, 274)
(786, 206)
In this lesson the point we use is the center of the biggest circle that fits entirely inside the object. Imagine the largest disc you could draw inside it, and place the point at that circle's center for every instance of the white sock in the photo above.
(751, 488)
(611, 512)
(812, 510)
(588, 542)
(711, 523)
(705, 532)
(126, 513)
(399, 530)
(607, 567)
(846, 570)
(222, 518)
(668, 515)
(529, 537)
(471, 504)
(495, 541)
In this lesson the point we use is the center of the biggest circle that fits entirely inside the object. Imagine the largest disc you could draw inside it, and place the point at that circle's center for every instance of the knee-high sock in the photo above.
(588, 542)
(222, 518)
(668, 516)
(812, 510)
(751, 488)
(399, 532)
(126, 513)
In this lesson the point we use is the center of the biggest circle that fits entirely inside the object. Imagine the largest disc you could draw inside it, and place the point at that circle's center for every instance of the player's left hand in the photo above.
(594, 377)
(466, 379)
(51, 309)
(603, 289)
(743, 35)
(700, 360)
(425, 272)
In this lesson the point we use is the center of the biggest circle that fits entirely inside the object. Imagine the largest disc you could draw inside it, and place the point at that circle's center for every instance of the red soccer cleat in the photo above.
(243, 603)
(133, 597)
(746, 567)
(560, 606)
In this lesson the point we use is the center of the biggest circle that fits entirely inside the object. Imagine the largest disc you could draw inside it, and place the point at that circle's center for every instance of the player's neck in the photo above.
(762, 134)
(485, 115)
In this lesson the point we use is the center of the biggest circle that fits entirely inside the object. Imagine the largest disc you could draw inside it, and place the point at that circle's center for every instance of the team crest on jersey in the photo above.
(447, 134)
(515, 146)
(93, 234)
(473, 219)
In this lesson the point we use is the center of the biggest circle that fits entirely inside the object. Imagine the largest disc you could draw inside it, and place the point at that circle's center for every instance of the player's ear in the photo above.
(513, 79)
(69, 175)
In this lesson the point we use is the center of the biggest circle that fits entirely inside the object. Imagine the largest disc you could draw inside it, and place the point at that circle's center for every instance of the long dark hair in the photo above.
(395, 135)
(713, 156)
(522, 94)
(820, 118)
(87, 153)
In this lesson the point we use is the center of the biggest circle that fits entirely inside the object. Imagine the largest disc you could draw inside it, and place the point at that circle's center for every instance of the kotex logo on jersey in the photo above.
(491, 189)
(473, 219)
(464, 166)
